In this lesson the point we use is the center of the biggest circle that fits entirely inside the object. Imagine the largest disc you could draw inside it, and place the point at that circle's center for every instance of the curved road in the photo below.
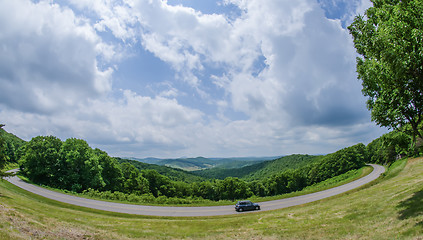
(194, 211)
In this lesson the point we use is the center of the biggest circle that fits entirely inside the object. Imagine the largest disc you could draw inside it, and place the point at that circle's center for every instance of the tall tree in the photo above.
(389, 38)
(133, 181)
(41, 160)
(80, 166)
(111, 171)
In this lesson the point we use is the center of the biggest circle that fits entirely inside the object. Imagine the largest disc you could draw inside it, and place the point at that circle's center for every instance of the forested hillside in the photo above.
(73, 165)
(188, 164)
(202, 163)
(172, 173)
(12, 147)
(260, 170)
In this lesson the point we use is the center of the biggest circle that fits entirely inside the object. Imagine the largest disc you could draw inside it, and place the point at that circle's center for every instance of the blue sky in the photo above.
(141, 78)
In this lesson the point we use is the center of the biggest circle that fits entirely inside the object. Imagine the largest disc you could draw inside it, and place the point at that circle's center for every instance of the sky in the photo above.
(184, 78)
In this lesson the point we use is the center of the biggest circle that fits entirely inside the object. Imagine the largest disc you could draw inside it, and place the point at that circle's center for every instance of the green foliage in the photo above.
(133, 181)
(201, 163)
(389, 39)
(41, 162)
(159, 184)
(188, 163)
(290, 162)
(2, 149)
(389, 147)
(11, 146)
(233, 188)
(172, 173)
(260, 170)
(325, 167)
(74, 166)
(111, 171)
(69, 165)
(80, 166)
(205, 189)
(3, 157)
(337, 163)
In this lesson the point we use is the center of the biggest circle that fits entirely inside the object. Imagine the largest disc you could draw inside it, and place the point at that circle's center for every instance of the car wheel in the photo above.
(258, 208)
(240, 210)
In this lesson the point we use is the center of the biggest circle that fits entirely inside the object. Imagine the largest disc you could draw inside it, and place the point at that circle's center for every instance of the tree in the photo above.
(158, 184)
(389, 39)
(41, 160)
(3, 156)
(2, 150)
(134, 182)
(387, 148)
(111, 171)
(232, 188)
(79, 165)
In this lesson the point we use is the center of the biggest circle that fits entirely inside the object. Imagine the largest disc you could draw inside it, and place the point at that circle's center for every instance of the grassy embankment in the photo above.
(389, 208)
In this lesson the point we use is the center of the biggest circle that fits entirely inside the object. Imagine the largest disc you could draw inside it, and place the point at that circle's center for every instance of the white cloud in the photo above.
(282, 65)
(48, 57)
(113, 15)
(131, 119)
(310, 74)
(188, 39)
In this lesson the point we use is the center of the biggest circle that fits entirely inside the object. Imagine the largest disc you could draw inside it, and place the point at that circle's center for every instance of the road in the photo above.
(193, 211)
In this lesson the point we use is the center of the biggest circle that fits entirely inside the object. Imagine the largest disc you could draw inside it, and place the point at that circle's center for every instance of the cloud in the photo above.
(309, 78)
(48, 57)
(190, 40)
(308, 59)
(276, 78)
(115, 16)
(155, 123)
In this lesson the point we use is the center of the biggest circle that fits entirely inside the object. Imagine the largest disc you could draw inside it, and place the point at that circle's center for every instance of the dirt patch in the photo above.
(414, 160)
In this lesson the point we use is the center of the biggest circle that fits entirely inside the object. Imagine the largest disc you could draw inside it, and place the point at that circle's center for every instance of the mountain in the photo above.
(201, 163)
(171, 173)
(260, 170)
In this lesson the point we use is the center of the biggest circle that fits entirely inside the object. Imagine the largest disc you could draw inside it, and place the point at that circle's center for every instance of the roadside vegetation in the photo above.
(74, 167)
(194, 202)
(389, 208)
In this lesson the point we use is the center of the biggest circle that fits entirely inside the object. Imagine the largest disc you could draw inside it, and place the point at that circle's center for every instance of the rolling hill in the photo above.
(172, 173)
(260, 170)
(201, 163)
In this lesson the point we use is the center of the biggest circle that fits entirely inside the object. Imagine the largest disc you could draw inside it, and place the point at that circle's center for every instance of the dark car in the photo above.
(246, 205)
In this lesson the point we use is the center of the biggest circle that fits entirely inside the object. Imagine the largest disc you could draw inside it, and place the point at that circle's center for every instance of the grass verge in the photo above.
(390, 208)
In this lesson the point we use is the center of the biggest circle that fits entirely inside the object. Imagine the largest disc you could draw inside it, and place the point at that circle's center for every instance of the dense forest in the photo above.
(74, 166)
(259, 170)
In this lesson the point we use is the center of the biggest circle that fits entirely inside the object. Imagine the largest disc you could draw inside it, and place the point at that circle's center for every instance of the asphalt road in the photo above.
(193, 211)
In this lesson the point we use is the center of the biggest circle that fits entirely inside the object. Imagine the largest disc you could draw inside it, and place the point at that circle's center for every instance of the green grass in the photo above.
(389, 208)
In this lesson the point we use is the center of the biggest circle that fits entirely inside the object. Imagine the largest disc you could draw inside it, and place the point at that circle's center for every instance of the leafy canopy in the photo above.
(3, 153)
(389, 39)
